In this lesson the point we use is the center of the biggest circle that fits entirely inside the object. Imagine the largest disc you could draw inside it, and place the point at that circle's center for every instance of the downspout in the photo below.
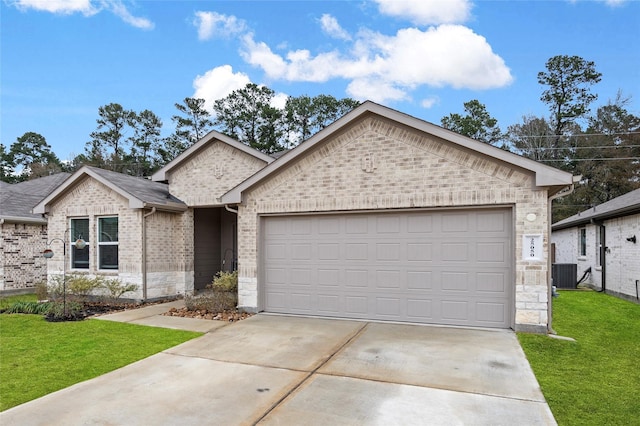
(229, 209)
(549, 220)
(144, 252)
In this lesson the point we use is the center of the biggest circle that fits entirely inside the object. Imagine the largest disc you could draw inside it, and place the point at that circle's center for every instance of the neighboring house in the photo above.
(166, 242)
(378, 216)
(23, 234)
(384, 216)
(605, 240)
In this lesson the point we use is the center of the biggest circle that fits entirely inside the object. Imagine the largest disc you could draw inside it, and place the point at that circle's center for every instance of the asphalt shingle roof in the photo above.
(623, 205)
(17, 200)
(143, 189)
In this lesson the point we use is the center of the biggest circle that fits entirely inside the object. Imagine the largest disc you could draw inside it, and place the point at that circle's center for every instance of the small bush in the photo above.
(55, 287)
(116, 288)
(83, 286)
(42, 292)
(225, 281)
(74, 312)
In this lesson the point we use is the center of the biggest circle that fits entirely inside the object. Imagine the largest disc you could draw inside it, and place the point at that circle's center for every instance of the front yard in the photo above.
(39, 357)
(596, 379)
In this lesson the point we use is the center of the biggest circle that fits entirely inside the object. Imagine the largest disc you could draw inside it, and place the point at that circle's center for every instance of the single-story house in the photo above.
(604, 240)
(378, 216)
(23, 235)
(173, 241)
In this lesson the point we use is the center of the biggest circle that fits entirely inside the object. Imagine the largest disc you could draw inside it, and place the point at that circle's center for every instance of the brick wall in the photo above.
(167, 259)
(21, 263)
(376, 164)
(205, 177)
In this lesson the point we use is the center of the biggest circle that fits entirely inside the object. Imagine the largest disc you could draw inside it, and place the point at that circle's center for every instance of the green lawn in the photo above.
(7, 301)
(595, 380)
(39, 357)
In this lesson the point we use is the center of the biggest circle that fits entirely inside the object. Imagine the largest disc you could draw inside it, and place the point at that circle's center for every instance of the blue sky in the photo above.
(63, 59)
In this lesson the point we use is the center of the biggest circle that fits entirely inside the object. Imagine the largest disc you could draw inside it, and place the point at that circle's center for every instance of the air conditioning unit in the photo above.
(564, 275)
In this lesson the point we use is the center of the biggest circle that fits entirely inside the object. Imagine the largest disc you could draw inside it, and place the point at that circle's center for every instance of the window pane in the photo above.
(108, 229)
(79, 229)
(108, 257)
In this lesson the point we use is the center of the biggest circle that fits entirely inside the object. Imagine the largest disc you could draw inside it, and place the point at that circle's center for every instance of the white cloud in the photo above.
(429, 102)
(427, 12)
(213, 24)
(120, 10)
(383, 67)
(332, 28)
(65, 7)
(87, 8)
(217, 83)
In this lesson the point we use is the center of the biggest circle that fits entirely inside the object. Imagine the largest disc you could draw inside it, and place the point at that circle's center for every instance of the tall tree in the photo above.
(192, 122)
(477, 123)
(608, 158)
(305, 116)
(106, 148)
(247, 116)
(7, 167)
(32, 157)
(145, 143)
(533, 138)
(568, 81)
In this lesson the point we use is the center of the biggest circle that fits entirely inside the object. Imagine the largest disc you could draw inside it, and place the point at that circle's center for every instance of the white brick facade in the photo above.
(622, 258)
(377, 164)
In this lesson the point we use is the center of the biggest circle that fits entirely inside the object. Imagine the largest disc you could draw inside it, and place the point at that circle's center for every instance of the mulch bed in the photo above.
(229, 316)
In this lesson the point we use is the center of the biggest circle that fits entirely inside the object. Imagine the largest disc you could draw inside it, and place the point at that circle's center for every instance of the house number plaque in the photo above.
(532, 247)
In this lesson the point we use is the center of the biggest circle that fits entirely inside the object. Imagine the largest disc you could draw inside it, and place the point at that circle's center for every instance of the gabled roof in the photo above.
(141, 193)
(17, 200)
(545, 176)
(209, 138)
(623, 205)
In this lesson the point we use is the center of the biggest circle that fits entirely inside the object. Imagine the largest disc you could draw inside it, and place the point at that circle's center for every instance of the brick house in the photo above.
(378, 216)
(168, 242)
(385, 216)
(606, 241)
(23, 235)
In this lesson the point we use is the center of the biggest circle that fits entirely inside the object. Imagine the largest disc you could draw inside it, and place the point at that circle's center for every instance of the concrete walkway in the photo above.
(281, 370)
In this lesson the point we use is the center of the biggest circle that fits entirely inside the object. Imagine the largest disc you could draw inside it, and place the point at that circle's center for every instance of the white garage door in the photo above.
(439, 267)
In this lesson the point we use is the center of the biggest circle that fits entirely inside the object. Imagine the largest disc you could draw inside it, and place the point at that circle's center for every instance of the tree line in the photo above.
(603, 146)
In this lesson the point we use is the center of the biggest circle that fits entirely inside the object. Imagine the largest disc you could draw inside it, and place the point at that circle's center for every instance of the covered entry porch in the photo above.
(215, 244)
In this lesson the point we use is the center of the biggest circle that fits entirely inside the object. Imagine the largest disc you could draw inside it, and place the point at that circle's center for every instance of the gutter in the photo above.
(18, 219)
(144, 252)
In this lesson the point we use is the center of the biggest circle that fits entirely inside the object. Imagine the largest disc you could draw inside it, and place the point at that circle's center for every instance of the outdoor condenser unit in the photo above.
(564, 275)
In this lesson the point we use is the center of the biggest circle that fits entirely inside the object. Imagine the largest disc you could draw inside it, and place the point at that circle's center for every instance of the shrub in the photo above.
(74, 312)
(225, 281)
(55, 287)
(83, 286)
(116, 288)
(42, 292)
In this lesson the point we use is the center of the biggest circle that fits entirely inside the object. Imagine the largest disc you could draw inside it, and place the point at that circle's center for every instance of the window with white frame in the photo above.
(79, 229)
(108, 243)
(582, 241)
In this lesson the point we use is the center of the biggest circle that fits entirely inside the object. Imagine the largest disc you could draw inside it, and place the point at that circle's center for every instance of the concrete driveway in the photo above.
(279, 370)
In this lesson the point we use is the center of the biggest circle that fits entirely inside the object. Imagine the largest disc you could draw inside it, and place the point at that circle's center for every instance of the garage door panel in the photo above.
(430, 267)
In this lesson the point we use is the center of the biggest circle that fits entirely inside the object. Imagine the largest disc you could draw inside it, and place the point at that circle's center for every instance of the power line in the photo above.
(581, 135)
(578, 147)
(593, 159)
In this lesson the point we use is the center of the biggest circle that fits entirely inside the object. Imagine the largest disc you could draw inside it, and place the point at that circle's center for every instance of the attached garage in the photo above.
(384, 216)
(439, 267)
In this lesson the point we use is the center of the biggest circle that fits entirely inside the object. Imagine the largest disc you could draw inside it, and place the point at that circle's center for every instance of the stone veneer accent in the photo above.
(169, 262)
(213, 171)
(378, 164)
(21, 263)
